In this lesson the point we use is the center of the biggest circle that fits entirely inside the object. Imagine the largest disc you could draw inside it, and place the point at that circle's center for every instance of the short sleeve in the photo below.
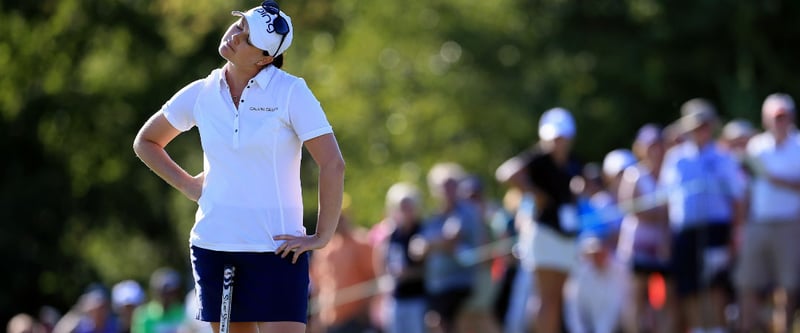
(306, 114)
(179, 110)
(735, 181)
(668, 174)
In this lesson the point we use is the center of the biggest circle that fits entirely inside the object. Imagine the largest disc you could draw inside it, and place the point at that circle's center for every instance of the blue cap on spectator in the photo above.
(127, 292)
(648, 134)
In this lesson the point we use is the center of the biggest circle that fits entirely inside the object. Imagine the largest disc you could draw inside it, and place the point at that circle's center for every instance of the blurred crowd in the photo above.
(692, 228)
(125, 307)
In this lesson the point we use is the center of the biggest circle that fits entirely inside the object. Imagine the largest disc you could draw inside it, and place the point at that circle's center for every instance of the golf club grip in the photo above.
(227, 298)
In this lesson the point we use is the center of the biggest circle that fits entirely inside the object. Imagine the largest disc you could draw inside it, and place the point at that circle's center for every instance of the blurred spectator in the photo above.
(590, 182)
(478, 308)
(165, 312)
(91, 314)
(733, 139)
(404, 209)
(614, 164)
(23, 323)
(769, 252)
(735, 135)
(380, 305)
(449, 235)
(590, 190)
(338, 271)
(48, 317)
(191, 324)
(544, 174)
(524, 302)
(705, 204)
(606, 203)
(125, 297)
(645, 234)
(673, 135)
(507, 266)
(597, 289)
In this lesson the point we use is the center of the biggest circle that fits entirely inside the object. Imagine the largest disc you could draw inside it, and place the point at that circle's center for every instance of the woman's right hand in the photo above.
(194, 188)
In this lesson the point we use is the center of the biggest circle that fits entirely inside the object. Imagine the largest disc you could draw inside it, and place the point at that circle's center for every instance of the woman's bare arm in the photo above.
(325, 151)
(149, 146)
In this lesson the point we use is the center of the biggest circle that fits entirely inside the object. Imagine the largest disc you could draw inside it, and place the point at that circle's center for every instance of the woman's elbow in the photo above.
(336, 165)
(138, 145)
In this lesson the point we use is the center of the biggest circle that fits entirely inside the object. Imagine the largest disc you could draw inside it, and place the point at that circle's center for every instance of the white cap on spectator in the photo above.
(738, 128)
(616, 161)
(402, 191)
(441, 173)
(555, 123)
(777, 104)
(695, 113)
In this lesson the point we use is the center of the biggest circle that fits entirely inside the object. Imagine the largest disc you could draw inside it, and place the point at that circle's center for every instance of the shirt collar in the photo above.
(261, 79)
(264, 76)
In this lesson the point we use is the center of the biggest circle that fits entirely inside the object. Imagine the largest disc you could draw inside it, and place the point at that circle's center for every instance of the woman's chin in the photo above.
(224, 51)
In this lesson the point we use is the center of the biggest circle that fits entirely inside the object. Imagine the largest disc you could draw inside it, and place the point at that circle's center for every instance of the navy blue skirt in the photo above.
(266, 287)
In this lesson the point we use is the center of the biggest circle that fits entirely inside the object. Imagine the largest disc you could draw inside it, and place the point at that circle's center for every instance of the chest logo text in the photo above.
(263, 109)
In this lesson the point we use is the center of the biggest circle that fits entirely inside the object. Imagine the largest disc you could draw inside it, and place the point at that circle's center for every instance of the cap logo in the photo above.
(267, 24)
(270, 28)
(279, 26)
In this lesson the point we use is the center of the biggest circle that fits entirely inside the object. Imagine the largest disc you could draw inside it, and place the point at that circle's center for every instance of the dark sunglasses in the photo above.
(279, 24)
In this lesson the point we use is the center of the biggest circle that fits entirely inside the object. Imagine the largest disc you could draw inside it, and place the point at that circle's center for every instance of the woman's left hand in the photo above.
(296, 245)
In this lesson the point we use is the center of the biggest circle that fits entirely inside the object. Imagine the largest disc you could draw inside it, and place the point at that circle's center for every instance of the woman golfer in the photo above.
(253, 120)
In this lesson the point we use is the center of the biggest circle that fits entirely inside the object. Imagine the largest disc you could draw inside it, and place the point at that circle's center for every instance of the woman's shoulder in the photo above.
(195, 86)
(184, 100)
(287, 78)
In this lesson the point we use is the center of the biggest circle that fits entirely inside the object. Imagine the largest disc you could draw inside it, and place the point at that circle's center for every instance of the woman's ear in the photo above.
(265, 61)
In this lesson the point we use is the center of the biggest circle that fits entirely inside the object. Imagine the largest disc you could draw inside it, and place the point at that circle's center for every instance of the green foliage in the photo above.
(405, 84)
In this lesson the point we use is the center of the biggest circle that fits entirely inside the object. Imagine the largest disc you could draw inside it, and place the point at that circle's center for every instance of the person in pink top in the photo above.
(645, 234)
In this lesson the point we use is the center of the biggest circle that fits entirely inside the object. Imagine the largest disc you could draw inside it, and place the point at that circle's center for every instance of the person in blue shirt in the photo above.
(447, 238)
(704, 203)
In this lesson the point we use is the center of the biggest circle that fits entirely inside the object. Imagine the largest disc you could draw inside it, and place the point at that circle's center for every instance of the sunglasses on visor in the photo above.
(279, 24)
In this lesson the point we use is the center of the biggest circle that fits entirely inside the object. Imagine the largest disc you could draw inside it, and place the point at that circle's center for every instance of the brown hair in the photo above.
(277, 61)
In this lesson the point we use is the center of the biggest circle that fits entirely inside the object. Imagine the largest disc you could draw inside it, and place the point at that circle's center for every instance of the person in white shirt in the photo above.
(770, 255)
(597, 290)
(254, 119)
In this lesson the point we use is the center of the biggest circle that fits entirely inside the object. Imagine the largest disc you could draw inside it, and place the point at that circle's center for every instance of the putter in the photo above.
(227, 297)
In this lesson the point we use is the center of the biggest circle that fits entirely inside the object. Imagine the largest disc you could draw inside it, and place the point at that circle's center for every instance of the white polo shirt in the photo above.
(770, 202)
(251, 157)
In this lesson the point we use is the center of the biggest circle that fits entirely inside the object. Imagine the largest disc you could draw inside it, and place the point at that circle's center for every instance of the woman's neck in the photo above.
(237, 76)
(559, 157)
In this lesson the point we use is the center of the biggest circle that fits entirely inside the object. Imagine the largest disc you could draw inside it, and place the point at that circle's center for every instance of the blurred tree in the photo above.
(405, 84)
